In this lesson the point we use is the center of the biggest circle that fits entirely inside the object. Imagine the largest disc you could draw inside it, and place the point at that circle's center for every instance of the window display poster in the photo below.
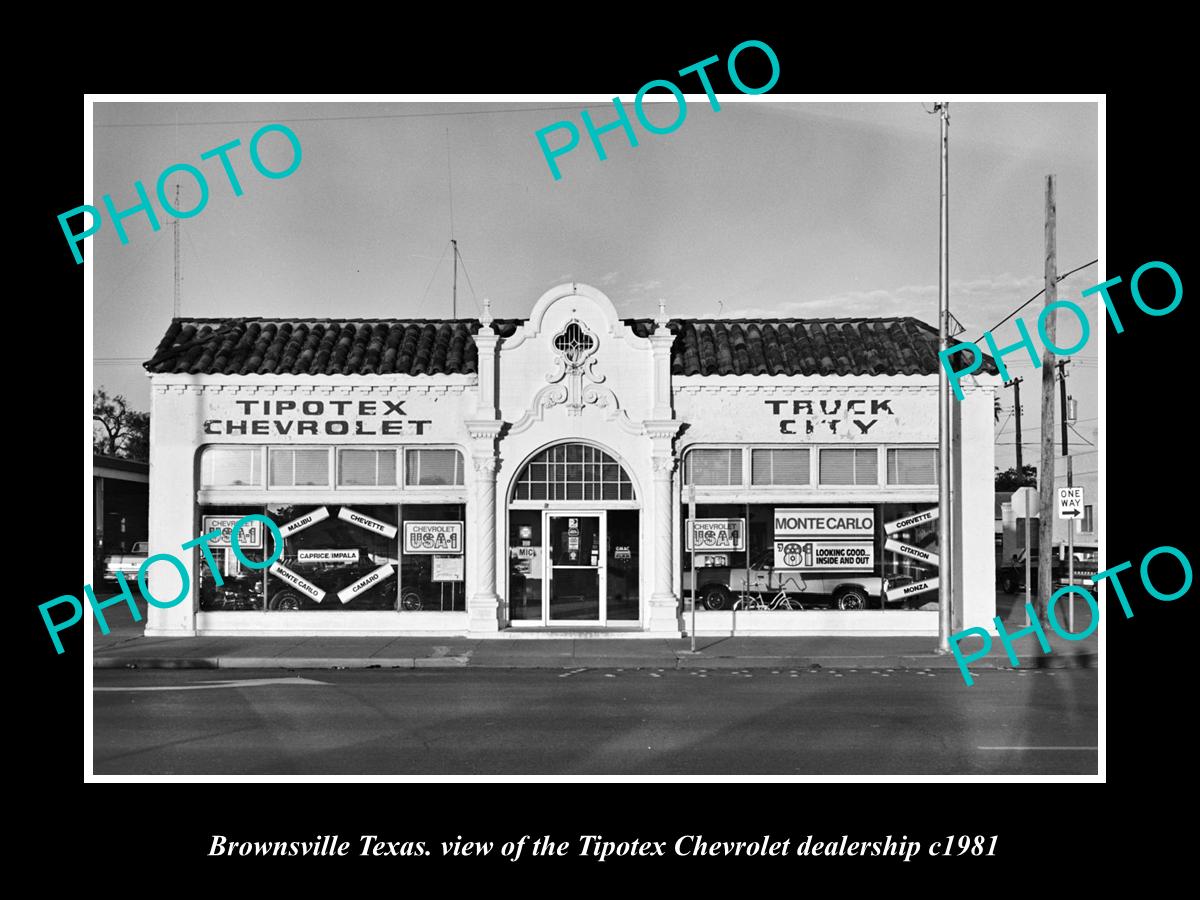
(527, 561)
(825, 522)
(447, 568)
(433, 537)
(327, 556)
(825, 556)
(250, 537)
(715, 534)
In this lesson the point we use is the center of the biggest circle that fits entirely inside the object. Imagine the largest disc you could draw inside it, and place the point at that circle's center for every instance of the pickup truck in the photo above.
(1010, 578)
(718, 586)
(127, 564)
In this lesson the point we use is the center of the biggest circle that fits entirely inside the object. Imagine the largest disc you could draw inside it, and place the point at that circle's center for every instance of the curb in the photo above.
(276, 662)
(1052, 661)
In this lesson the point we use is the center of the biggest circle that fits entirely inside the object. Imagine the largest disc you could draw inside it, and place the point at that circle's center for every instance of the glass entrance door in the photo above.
(575, 557)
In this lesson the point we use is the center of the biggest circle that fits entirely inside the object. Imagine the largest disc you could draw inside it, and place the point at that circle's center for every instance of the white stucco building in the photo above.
(505, 477)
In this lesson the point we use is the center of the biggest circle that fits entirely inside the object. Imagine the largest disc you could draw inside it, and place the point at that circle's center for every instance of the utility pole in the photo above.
(1015, 384)
(1046, 471)
(945, 551)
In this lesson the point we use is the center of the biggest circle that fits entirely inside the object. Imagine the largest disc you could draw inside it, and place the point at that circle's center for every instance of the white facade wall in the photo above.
(623, 399)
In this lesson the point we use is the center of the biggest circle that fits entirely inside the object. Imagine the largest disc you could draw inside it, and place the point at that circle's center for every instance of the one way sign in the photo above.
(1070, 502)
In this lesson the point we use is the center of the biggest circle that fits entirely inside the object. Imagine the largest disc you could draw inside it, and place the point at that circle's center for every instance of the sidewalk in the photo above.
(125, 647)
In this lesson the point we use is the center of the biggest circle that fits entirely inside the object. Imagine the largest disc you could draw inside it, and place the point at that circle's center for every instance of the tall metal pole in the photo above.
(692, 541)
(1046, 467)
(176, 307)
(1071, 553)
(1062, 394)
(1016, 383)
(454, 294)
(944, 509)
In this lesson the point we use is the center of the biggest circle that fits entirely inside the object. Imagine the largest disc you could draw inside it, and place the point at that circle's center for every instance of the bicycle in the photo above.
(781, 600)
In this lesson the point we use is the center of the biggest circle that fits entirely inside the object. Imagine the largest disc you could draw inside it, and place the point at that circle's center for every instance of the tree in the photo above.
(123, 431)
(1010, 479)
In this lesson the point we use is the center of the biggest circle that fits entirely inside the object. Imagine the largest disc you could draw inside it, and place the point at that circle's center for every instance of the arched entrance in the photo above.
(574, 540)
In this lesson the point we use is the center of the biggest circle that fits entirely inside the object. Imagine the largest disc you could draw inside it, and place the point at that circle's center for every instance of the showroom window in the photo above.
(291, 467)
(713, 467)
(904, 568)
(242, 588)
(231, 467)
(912, 466)
(433, 467)
(433, 557)
(366, 468)
(771, 467)
(337, 557)
(832, 556)
(849, 466)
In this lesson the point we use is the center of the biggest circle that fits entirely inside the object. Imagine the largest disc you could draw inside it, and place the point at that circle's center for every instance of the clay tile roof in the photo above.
(898, 345)
(319, 347)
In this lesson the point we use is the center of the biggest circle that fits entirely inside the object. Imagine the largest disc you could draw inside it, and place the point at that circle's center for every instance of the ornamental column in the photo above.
(483, 606)
(483, 603)
(664, 613)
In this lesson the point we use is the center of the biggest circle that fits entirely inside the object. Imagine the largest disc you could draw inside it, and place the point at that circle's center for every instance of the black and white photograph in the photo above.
(707, 431)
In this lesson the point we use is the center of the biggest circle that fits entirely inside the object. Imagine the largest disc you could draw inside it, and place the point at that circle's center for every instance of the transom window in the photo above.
(367, 468)
(433, 467)
(231, 467)
(573, 472)
(912, 466)
(719, 466)
(299, 467)
(849, 466)
(355, 468)
(779, 466)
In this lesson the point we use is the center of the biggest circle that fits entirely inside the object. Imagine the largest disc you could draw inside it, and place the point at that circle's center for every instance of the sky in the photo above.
(763, 208)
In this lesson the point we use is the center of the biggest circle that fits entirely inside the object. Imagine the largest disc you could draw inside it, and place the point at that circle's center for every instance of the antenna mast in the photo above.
(176, 224)
(450, 189)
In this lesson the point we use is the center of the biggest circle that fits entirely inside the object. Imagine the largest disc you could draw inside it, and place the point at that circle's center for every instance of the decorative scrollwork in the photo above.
(485, 465)
(575, 346)
(662, 465)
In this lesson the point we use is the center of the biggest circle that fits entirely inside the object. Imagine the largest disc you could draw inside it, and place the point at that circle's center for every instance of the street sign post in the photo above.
(1070, 507)
(1070, 503)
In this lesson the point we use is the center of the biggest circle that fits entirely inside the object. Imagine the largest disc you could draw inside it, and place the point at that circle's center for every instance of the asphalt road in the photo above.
(594, 721)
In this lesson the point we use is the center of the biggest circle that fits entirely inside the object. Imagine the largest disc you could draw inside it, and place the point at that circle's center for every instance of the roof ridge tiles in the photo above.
(786, 346)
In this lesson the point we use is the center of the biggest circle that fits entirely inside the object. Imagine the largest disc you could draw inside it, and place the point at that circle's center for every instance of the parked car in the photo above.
(718, 586)
(127, 564)
(237, 592)
(1010, 578)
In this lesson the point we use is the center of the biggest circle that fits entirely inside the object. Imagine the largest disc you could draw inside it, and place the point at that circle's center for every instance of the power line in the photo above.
(1001, 431)
(477, 112)
(1080, 436)
(1034, 297)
